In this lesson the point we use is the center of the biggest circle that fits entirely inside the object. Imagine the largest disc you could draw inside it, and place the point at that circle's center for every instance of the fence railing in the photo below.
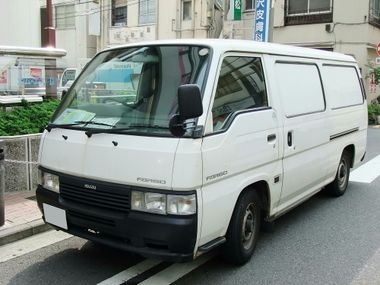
(21, 155)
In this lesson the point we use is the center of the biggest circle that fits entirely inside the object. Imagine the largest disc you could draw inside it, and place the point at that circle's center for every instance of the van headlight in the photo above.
(163, 204)
(49, 181)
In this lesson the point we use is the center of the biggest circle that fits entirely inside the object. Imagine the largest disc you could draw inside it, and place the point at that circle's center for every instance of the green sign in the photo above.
(237, 10)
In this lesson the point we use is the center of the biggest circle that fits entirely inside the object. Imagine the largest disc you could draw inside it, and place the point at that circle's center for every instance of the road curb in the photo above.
(16, 233)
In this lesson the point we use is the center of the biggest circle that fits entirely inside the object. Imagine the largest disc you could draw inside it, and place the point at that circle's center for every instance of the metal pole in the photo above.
(2, 184)
(50, 64)
(157, 19)
(271, 20)
(49, 29)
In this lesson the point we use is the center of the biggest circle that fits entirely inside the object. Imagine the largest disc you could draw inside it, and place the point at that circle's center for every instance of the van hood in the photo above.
(124, 159)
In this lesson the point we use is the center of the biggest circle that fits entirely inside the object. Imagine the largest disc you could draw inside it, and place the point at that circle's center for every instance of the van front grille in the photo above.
(99, 197)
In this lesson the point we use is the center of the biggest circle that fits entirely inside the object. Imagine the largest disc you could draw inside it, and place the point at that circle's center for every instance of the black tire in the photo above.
(339, 185)
(244, 229)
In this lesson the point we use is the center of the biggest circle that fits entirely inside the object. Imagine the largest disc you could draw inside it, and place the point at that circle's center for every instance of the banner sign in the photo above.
(261, 29)
(235, 8)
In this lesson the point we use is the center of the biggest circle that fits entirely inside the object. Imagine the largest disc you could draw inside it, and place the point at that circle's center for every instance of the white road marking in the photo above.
(24, 246)
(176, 271)
(131, 272)
(367, 172)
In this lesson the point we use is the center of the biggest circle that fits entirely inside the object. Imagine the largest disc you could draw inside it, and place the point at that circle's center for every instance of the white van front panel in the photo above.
(235, 159)
(134, 160)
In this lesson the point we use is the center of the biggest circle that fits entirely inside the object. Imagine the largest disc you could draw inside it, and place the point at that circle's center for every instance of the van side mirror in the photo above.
(189, 107)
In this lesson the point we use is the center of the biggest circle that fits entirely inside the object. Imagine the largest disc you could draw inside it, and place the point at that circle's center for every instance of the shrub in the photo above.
(373, 112)
(29, 118)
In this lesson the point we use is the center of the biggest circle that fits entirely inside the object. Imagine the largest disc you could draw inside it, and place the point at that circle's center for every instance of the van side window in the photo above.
(300, 87)
(342, 86)
(241, 86)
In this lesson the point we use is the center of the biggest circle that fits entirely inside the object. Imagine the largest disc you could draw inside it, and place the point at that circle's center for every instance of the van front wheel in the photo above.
(244, 229)
(339, 185)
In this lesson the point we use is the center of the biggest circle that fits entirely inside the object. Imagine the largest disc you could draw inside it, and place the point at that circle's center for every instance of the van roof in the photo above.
(224, 45)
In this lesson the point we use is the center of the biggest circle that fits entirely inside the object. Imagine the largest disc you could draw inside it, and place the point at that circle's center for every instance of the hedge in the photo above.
(27, 119)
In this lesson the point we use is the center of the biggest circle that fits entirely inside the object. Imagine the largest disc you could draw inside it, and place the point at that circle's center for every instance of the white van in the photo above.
(66, 80)
(193, 143)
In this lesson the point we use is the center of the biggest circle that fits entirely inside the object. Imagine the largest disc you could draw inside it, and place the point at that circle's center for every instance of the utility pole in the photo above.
(50, 64)
(271, 20)
(49, 29)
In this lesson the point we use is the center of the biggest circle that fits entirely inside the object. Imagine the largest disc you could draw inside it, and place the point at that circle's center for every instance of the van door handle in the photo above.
(271, 137)
(290, 138)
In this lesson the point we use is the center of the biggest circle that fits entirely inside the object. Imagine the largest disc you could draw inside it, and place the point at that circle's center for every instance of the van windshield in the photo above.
(132, 89)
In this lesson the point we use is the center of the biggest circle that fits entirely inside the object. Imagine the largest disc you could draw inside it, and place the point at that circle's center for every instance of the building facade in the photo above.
(347, 26)
(239, 19)
(128, 21)
(77, 26)
(84, 27)
(20, 21)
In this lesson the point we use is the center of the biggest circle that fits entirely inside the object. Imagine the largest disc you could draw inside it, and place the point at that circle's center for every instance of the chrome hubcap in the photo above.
(248, 227)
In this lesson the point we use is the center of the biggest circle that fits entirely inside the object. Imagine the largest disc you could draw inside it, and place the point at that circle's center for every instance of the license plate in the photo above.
(55, 216)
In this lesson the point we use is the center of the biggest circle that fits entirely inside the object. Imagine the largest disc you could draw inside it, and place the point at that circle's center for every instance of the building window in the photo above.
(147, 12)
(308, 11)
(119, 12)
(374, 12)
(65, 17)
(249, 5)
(186, 10)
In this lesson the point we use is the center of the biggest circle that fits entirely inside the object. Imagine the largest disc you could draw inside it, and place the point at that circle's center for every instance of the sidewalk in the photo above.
(22, 217)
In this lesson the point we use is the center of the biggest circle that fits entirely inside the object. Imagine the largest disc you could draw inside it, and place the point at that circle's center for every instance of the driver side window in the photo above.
(241, 86)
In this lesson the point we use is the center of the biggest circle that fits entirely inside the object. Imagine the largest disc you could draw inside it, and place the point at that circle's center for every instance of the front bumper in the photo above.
(169, 237)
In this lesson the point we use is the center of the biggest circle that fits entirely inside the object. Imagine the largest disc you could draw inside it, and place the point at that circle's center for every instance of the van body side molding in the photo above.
(341, 134)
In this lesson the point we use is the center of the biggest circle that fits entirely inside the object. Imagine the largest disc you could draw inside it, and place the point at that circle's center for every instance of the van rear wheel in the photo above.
(244, 229)
(339, 185)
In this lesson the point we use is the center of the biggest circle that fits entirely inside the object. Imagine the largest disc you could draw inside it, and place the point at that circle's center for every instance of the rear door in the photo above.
(305, 130)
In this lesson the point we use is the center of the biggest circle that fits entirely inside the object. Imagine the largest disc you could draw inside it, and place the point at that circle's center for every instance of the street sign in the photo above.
(261, 30)
(237, 10)
(378, 49)
(377, 60)
(234, 9)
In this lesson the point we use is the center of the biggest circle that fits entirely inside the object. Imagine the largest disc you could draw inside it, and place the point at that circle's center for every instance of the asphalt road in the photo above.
(323, 241)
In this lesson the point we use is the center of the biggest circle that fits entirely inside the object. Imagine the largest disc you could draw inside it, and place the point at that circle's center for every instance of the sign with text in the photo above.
(234, 12)
(261, 28)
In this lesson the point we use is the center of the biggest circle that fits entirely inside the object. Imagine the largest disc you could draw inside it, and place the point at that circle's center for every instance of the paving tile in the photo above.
(22, 217)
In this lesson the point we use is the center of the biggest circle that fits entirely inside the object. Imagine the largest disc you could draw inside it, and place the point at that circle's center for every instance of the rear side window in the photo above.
(241, 86)
(300, 87)
(342, 86)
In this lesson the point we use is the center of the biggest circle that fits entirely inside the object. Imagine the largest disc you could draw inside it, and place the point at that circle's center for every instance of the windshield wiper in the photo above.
(76, 123)
(89, 133)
